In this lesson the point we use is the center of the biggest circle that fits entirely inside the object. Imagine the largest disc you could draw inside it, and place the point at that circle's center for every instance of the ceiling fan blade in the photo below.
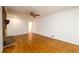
(34, 14)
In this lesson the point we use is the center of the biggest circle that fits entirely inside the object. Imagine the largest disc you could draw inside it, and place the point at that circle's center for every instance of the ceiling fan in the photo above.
(34, 15)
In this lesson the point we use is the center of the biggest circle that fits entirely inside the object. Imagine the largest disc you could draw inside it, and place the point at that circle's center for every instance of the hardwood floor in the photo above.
(35, 43)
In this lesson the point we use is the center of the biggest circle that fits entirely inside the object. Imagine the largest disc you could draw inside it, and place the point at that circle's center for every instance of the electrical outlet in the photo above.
(52, 35)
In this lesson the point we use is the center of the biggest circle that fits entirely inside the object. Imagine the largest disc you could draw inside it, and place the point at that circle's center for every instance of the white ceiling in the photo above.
(42, 10)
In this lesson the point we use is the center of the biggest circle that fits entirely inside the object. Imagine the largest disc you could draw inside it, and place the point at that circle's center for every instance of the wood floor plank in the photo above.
(40, 44)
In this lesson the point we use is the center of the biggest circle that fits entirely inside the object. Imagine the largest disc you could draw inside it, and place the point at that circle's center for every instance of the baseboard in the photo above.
(57, 39)
(9, 45)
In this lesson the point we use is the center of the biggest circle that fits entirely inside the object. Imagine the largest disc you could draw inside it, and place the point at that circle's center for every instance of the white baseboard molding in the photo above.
(9, 45)
(58, 39)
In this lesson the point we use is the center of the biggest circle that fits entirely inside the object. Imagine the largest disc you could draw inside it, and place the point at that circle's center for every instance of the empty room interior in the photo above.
(39, 29)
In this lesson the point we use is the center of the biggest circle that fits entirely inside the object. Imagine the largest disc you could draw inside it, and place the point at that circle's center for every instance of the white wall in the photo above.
(63, 25)
(17, 26)
(1, 39)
